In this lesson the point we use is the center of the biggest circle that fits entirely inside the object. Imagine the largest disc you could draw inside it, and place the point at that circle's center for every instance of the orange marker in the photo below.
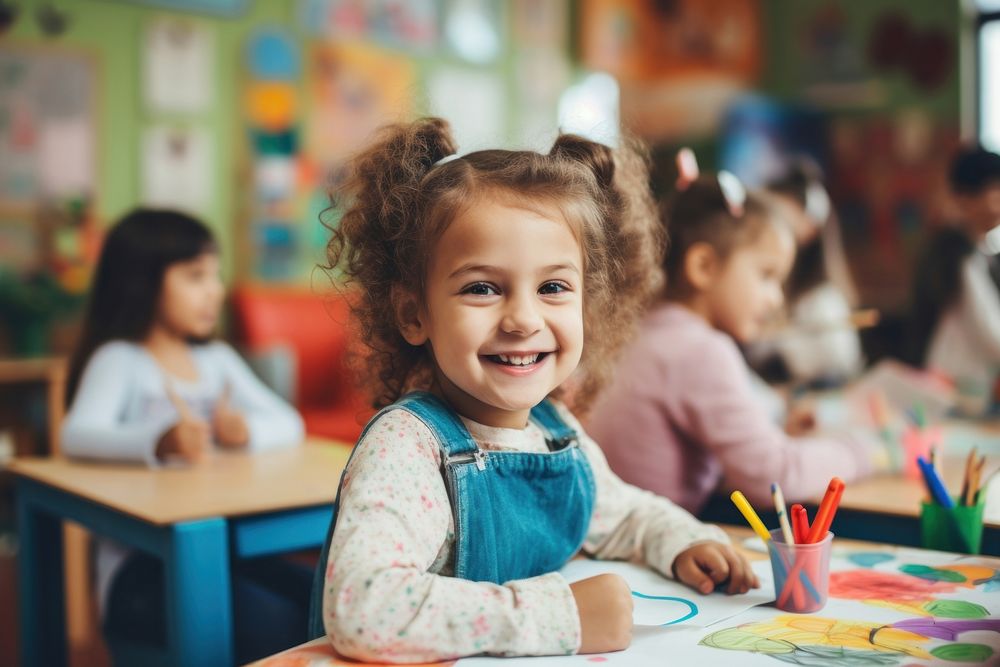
(827, 508)
(800, 523)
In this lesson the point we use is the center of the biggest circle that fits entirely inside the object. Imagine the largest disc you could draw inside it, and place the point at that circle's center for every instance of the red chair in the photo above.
(314, 328)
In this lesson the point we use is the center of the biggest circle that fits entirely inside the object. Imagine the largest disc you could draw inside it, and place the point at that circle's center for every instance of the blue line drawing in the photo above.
(691, 605)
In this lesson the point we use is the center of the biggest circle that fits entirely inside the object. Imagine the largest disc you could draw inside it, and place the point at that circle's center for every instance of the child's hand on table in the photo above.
(801, 419)
(704, 565)
(604, 603)
(230, 428)
(189, 439)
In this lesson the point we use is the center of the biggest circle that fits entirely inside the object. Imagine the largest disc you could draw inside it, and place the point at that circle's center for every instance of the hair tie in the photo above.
(733, 192)
(446, 159)
(818, 204)
(687, 168)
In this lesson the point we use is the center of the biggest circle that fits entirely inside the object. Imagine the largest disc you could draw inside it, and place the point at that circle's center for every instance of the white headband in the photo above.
(733, 191)
(818, 203)
(446, 159)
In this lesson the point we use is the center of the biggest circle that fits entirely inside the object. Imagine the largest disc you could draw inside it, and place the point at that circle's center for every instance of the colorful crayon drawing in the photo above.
(914, 589)
(935, 608)
(890, 586)
(991, 584)
(869, 558)
(812, 640)
(968, 576)
(320, 653)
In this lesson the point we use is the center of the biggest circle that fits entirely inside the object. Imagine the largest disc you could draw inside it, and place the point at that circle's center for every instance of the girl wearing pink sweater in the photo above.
(680, 417)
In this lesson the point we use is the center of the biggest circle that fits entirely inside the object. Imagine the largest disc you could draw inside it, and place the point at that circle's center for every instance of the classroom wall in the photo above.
(111, 32)
(786, 23)
(896, 74)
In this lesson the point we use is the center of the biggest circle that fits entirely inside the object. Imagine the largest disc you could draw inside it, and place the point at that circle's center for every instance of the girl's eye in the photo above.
(480, 289)
(553, 287)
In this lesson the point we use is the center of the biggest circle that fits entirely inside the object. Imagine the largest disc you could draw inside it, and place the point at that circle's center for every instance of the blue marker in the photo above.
(934, 484)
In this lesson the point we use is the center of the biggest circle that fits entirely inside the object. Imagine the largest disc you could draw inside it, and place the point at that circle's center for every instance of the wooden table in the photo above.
(194, 519)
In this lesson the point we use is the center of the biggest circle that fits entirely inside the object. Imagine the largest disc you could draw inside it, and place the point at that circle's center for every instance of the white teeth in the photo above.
(518, 360)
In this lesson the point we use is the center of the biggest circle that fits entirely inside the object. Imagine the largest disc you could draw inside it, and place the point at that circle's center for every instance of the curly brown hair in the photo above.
(396, 202)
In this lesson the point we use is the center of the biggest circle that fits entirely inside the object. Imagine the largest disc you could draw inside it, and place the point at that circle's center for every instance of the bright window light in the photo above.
(989, 85)
(590, 108)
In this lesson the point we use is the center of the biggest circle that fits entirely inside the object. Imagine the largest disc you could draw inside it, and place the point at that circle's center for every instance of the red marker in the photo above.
(827, 508)
(800, 523)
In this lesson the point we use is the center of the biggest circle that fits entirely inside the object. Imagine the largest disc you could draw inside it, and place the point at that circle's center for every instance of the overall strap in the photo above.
(452, 436)
(453, 439)
(559, 434)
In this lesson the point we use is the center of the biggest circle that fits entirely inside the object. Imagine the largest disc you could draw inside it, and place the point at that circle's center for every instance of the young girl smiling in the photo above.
(507, 271)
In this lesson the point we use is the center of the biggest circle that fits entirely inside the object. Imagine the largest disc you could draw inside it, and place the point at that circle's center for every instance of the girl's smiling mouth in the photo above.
(524, 361)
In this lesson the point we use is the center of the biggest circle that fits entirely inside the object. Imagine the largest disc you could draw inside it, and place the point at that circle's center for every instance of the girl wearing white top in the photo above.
(955, 316)
(818, 346)
(147, 384)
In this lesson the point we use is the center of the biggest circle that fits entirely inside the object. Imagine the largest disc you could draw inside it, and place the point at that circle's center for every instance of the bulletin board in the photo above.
(48, 129)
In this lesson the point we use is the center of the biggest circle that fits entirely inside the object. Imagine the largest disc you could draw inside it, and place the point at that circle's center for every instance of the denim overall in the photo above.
(517, 514)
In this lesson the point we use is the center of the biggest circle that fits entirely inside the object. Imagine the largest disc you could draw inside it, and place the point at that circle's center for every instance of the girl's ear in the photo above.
(409, 315)
(701, 266)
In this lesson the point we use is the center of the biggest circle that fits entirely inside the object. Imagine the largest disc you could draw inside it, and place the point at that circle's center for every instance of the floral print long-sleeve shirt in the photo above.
(388, 594)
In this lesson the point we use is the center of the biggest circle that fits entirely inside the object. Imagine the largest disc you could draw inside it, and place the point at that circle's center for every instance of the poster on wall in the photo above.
(353, 90)
(407, 25)
(177, 168)
(178, 66)
(679, 64)
(47, 126)
(274, 195)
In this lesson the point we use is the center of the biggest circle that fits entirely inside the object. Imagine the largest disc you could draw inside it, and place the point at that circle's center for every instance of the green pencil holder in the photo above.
(959, 529)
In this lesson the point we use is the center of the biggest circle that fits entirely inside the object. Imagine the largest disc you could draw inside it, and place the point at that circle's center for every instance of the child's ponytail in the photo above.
(629, 246)
(372, 243)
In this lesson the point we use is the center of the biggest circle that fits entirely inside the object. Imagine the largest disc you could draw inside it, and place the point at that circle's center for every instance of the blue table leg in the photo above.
(40, 589)
(199, 597)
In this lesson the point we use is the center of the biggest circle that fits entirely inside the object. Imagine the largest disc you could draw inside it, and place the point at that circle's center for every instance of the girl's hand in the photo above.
(604, 603)
(230, 428)
(801, 419)
(800, 422)
(704, 565)
(189, 439)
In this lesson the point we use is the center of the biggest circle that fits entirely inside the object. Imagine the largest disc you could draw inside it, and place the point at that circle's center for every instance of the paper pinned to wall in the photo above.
(177, 168)
(178, 66)
(66, 157)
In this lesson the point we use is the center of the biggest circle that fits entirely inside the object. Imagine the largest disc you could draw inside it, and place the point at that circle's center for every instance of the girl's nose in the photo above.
(521, 317)
(777, 300)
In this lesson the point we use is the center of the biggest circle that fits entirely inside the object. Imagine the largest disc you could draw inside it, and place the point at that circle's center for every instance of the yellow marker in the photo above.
(743, 505)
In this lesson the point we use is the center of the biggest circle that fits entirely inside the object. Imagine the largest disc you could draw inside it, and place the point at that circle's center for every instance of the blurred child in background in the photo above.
(149, 384)
(955, 314)
(681, 416)
(816, 344)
